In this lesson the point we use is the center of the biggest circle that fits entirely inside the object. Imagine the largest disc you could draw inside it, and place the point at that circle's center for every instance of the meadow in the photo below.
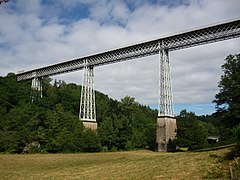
(116, 165)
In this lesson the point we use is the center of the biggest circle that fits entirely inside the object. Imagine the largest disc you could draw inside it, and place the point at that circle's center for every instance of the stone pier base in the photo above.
(91, 125)
(166, 132)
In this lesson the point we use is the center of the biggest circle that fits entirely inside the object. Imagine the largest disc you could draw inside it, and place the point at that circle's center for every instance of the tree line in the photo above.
(51, 124)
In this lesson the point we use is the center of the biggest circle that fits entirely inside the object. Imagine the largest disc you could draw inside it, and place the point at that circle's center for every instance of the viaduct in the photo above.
(166, 123)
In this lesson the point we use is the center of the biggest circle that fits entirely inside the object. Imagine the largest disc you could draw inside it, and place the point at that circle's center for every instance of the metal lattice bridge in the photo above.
(161, 46)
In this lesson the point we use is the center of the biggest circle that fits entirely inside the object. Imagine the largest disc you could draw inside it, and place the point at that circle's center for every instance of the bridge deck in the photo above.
(205, 35)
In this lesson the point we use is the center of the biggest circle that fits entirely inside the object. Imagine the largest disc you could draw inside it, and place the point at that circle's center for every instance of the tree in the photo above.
(189, 132)
(228, 99)
(63, 131)
(107, 134)
(51, 124)
(128, 101)
(90, 141)
(236, 133)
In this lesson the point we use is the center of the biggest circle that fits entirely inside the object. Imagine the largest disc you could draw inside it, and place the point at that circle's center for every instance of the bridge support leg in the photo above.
(87, 111)
(36, 89)
(166, 123)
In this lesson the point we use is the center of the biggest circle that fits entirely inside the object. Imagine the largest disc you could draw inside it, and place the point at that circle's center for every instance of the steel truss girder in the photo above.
(188, 39)
(87, 102)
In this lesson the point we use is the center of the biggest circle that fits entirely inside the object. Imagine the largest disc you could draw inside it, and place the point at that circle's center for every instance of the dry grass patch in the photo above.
(116, 165)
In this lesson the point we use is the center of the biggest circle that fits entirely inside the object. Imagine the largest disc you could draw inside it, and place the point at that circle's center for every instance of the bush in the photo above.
(90, 141)
(236, 133)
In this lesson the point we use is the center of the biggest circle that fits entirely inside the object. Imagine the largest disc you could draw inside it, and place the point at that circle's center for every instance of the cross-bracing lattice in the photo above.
(87, 101)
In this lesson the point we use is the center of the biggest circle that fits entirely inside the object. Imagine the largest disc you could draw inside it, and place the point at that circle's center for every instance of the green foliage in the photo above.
(128, 126)
(228, 99)
(211, 124)
(52, 122)
(190, 133)
(108, 134)
(90, 141)
(236, 133)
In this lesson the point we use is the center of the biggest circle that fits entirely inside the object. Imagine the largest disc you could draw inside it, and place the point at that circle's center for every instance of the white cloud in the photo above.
(28, 7)
(110, 12)
(30, 38)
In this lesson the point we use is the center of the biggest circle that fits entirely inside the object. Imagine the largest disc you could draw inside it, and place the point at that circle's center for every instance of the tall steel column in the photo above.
(36, 88)
(166, 123)
(87, 111)
(165, 90)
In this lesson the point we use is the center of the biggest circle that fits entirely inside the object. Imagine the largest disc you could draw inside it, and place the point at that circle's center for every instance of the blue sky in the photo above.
(198, 109)
(37, 33)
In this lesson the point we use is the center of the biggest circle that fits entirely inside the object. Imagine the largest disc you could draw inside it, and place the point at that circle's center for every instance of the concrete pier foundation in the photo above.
(90, 125)
(166, 132)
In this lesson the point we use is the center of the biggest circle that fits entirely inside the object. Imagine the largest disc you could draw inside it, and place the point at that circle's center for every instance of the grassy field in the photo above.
(116, 165)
